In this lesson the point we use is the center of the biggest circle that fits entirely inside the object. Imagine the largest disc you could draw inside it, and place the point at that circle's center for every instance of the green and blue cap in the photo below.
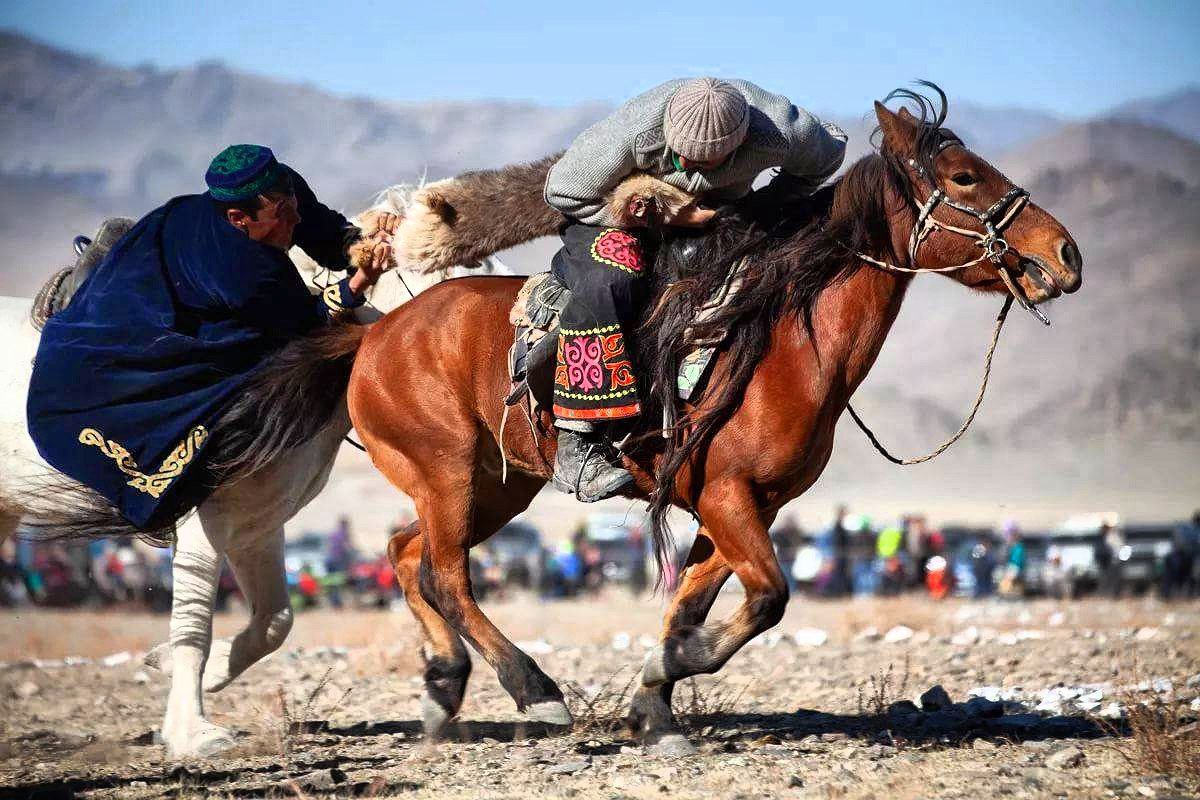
(241, 172)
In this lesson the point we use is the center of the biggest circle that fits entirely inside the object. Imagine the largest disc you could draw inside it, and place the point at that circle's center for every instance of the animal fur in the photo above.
(459, 221)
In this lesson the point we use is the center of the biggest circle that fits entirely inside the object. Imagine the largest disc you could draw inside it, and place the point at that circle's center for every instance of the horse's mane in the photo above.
(790, 252)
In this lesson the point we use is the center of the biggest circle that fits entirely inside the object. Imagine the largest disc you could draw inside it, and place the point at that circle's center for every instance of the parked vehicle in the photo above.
(516, 552)
(620, 548)
(1139, 561)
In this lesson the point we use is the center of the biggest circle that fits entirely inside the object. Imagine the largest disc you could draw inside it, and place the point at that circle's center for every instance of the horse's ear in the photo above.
(899, 130)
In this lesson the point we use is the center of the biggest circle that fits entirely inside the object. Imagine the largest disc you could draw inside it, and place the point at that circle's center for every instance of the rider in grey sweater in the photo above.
(634, 138)
(708, 137)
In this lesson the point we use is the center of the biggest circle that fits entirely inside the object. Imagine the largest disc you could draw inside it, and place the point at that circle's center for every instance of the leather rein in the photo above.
(994, 220)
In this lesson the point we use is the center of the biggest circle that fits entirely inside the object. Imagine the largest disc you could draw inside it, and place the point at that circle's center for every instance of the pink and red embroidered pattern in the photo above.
(594, 378)
(618, 249)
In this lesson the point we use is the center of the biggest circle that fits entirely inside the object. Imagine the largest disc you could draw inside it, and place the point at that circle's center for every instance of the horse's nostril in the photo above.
(1068, 253)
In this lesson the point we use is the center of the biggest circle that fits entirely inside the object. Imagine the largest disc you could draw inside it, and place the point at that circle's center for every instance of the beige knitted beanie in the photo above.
(706, 119)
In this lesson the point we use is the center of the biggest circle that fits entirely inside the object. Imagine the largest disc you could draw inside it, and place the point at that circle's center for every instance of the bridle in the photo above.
(994, 219)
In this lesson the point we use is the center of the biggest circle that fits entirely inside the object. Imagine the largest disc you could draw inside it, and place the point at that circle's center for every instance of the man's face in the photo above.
(702, 166)
(274, 224)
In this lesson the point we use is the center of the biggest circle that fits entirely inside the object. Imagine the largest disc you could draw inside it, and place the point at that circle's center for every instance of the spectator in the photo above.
(839, 542)
(788, 538)
(1110, 576)
(1012, 583)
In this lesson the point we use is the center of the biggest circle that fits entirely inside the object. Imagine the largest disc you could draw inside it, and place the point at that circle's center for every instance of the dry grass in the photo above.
(603, 709)
(880, 691)
(1162, 740)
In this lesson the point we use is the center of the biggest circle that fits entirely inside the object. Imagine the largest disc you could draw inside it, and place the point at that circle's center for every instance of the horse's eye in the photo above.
(964, 179)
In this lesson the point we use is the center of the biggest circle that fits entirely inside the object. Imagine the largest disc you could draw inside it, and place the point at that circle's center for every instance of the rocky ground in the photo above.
(844, 699)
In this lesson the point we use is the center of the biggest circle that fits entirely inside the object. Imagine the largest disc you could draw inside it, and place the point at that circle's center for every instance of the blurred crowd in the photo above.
(1095, 553)
(1092, 553)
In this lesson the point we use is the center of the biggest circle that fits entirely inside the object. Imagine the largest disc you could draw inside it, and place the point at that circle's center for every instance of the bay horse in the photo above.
(817, 301)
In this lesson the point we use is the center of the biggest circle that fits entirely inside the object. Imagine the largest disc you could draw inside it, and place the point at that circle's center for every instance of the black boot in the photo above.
(588, 466)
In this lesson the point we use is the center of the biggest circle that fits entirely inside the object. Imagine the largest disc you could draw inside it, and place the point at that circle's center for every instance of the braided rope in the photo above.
(987, 370)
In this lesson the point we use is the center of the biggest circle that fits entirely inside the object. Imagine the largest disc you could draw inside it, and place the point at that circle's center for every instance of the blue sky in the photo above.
(1074, 58)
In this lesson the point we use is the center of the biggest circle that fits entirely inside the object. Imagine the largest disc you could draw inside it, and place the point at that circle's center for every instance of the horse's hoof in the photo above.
(551, 712)
(434, 718)
(672, 745)
(205, 742)
(654, 668)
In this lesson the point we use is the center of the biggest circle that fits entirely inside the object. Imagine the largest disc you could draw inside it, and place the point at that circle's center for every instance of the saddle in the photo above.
(534, 317)
(57, 292)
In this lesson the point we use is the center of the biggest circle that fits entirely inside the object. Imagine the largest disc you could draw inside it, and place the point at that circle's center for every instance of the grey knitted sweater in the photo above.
(631, 140)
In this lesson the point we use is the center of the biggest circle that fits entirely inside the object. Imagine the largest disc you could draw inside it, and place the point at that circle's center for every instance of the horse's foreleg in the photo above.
(262, 578)
(195, 570)
(739, 533)
(447, 663)
(704, 573)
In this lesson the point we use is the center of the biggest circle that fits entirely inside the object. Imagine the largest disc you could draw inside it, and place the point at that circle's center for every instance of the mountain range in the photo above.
(1105, 399)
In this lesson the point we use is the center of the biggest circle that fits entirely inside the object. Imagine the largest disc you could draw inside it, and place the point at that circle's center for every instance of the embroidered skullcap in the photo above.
(242, 171)
(706, 119)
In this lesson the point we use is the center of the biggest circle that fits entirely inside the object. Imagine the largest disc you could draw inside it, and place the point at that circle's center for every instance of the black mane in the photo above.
(793, 250)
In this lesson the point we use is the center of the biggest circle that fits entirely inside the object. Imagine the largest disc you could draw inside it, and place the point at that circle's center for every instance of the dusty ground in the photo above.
(337, 713)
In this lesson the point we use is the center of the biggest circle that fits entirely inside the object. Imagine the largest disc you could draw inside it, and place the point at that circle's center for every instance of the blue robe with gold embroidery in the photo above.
(130, 377)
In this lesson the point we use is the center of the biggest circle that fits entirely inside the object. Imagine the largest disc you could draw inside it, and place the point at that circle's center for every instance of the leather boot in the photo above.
(588, 466)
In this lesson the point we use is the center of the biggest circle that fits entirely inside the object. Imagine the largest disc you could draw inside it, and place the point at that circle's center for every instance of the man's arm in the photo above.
(324, 234)
(816, 150)
(599, 158)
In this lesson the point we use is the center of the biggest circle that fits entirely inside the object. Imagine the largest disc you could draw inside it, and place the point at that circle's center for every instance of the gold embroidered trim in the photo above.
(606, 396)
(172, 466)
(590, 331)
(333, 297)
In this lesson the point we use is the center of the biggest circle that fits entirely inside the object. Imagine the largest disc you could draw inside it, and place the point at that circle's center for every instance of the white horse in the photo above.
(243, 522)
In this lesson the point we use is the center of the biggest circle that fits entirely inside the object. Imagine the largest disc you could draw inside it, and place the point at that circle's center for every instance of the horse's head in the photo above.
(966, 209)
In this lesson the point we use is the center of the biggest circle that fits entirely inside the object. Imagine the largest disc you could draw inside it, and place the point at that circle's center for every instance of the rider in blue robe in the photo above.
(130, 378)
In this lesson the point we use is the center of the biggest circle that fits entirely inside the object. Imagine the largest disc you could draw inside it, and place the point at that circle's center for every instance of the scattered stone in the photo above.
(1146, 791)
(117, 659)
(867, 634)
(26, 690)
(810, 637)
(1145, 634)
(1056, 619)
(141, 677)
(1066, 758)
(903, 708)
(983, 708)
(982, 745)
(795, 782)
(621, 641)
(322, 780)
(900, 633)
(568, 767)
(936, 698)
(535, 647)
(967, 636)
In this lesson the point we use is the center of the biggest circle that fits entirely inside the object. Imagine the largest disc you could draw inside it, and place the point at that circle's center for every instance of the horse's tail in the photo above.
(53, 507)
(292, 397)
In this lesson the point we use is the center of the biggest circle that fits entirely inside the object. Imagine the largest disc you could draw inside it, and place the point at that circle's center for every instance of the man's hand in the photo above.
(372, 255)
(692, 216)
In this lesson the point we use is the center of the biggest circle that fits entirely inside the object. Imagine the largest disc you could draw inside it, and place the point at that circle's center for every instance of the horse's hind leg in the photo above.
(459, 514)
(650, 717)
(739, 533)
(262, 577)
(447, 663)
